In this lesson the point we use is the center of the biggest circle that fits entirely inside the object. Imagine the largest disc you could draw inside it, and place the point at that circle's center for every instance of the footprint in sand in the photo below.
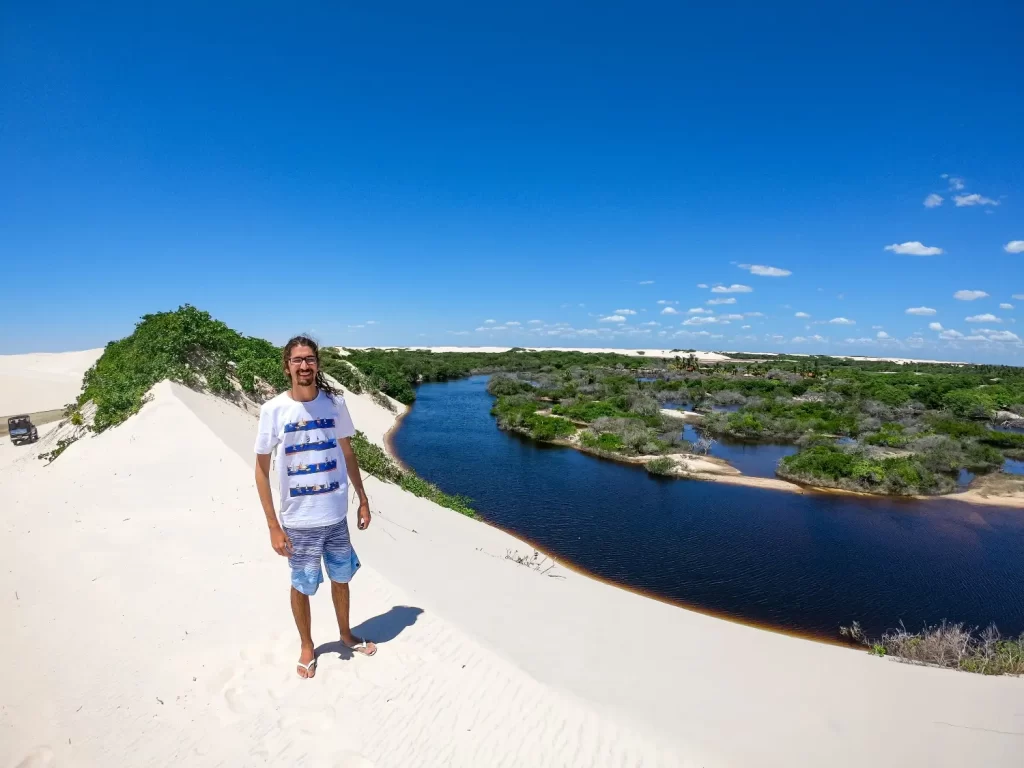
(40, 757)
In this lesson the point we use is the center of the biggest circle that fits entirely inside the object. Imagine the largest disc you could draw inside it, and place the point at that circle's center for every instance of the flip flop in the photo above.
(309, 667)
(362, 648)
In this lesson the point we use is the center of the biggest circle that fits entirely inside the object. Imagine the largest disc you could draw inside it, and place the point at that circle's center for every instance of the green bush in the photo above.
(187, 346)
(604, 441)
(663, 465)
(588, 411)
(891, 435)
(550, 427)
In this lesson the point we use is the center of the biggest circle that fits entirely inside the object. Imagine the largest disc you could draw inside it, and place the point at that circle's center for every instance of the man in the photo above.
(309, 429)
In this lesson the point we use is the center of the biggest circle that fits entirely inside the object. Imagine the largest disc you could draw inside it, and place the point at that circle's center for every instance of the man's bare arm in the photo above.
(278, 538)
(356, 478)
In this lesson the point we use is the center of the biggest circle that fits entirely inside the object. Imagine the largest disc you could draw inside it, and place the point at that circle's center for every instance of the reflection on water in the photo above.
(1004, 428)
(802, 562)
(754, 459)
(1013, 466)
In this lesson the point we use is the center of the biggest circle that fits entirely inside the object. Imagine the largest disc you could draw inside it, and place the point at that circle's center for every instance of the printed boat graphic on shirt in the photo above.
(310, 469)
(320, 445)
(310, 490)
(302, 426)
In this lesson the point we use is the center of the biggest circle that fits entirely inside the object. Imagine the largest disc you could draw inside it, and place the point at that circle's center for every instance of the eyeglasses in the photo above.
(311, 360)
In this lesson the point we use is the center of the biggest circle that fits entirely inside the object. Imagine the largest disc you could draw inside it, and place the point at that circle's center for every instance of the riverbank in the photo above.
(482, 660)
(993, 491)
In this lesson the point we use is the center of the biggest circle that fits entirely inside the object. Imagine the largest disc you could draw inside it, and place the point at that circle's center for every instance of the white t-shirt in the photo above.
(312, 476)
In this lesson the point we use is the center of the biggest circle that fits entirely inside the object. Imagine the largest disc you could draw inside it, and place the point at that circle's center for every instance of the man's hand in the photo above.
(364, 514)
(280, 542)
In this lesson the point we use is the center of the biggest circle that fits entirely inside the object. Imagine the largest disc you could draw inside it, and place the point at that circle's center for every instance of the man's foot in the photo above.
(358, 645)
(307, 662)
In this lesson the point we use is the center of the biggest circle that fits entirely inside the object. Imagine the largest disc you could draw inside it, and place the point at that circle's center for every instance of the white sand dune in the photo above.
(703, 356)
(146, 624)
(42, 381)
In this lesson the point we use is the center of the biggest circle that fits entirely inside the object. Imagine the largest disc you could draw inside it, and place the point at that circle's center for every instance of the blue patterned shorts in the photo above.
(331, 544)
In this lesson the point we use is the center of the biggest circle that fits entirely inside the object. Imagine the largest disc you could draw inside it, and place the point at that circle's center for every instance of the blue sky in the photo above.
(430, 167)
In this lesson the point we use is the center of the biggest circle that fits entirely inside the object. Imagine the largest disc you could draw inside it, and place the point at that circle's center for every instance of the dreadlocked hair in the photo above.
(321, 381)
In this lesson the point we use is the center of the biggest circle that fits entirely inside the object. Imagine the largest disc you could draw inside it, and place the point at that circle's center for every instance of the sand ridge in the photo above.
(149, 626)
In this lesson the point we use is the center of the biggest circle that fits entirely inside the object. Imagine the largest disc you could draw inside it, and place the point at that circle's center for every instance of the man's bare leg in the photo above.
(300, 610)
(340, 596)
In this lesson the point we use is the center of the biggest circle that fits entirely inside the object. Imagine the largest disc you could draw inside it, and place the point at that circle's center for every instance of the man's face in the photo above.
(302, 364)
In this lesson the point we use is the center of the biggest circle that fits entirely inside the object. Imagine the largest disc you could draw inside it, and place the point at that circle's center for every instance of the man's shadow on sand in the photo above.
(380, 629)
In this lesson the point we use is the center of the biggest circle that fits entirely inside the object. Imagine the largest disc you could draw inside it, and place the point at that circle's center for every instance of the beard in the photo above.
(305, 379)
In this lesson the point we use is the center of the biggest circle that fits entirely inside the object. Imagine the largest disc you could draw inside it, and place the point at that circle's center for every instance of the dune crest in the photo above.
(150, 626)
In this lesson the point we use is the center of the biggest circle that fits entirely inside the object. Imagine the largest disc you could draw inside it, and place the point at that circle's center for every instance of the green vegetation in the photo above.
(190, 347)
(662, 465)
(907, 429)
(379, 464)
(948, 645)
(834, 467)
(187, 346)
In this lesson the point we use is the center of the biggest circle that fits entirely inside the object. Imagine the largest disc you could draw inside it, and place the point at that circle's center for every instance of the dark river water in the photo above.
(802, 563)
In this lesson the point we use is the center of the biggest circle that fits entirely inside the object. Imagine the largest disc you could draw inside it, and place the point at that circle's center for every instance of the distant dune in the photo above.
(146, 623)
(704, 356)
(42, 381)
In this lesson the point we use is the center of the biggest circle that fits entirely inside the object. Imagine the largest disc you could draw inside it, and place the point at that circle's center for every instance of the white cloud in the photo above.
(667, 301)
(625, 311)
(862, 340)
(955, 182)
(969, 295)
(801, 314)
(730, 317)
(763, 271)
(744, 327)
(951, 334)
(914, 248)
(535, 322)
(935, 326)
(646, 282)
(652, 322)
(702, 285)
(670, 311)
(975, 199)
(877, 327)
(734, 288)
(371, 322)
(933, 201)
(1003, 336)
(459, 333)
(1004, 305)
(699, 311)
(1018, 296)
(986, 318)
(798, 339)
(730, 300)
(699, 320)
(488, 322)
(882, 335)
(1014, 246)
(612, 319)
(357, 326)
(513, 322)
(976, 337)
(754, 314)
(841, 321)
(920, 311)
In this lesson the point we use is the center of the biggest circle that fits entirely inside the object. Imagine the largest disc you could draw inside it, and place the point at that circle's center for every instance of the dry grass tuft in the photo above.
(948, 645)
